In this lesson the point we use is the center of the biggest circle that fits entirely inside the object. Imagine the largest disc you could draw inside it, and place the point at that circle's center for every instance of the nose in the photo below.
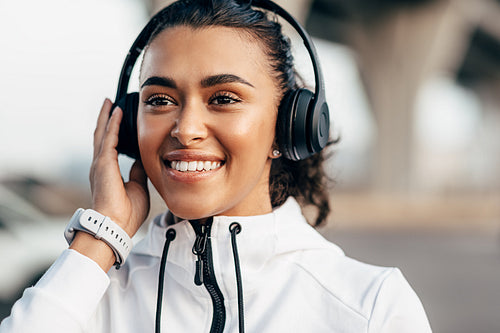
(190, 125)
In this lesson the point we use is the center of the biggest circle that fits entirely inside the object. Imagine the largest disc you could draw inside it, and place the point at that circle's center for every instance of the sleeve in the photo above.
(397, 308)
(63, 300)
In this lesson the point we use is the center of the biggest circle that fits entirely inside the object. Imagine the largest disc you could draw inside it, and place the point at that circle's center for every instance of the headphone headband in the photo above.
(319, 87)
(303, 116)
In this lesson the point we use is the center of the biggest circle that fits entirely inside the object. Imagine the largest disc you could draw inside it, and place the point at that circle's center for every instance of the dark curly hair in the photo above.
(305, 180)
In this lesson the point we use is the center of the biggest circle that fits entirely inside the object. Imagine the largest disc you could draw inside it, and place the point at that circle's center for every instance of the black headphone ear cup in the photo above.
(127, 138)
(294, 124)
(320, 126)
(304, 125)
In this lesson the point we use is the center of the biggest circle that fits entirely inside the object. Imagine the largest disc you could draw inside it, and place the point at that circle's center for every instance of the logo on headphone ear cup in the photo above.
(303, 125)
(127, 138)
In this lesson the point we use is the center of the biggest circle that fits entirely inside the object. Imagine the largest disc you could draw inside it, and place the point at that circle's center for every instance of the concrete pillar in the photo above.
(396, 54)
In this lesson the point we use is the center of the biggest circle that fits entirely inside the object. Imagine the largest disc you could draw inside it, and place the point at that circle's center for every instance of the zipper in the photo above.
(205, 275)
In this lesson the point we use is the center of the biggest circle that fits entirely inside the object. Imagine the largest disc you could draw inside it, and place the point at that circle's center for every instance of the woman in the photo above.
(213, 76)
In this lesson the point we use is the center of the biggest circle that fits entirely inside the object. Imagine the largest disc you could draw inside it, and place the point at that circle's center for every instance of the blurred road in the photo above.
(456, 275)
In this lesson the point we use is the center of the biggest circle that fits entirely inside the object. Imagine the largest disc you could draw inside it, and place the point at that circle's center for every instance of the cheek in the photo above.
(150, 134)
(251, 137)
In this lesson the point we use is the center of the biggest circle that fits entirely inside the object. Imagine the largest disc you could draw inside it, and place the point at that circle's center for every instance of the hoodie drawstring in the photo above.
(170, 236)
(235, 228)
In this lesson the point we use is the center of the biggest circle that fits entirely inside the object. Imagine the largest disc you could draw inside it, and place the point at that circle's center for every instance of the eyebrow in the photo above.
(209, 81)
(223, 78)
(159, 81)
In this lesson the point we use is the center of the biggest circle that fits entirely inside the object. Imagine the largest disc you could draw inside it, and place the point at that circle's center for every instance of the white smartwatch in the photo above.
(103, 228)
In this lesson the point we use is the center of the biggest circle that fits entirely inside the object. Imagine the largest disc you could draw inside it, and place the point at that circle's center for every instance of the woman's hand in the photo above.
(127, 204)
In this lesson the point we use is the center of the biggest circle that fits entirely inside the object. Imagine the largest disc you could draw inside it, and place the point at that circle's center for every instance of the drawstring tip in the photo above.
(170, 234)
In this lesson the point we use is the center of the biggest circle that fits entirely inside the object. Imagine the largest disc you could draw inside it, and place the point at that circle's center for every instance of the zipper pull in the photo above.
(198, 276)
(199, 247)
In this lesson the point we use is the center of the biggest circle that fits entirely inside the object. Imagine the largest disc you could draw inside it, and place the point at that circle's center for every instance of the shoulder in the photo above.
(380, 295)
(397, 308)
(354, 283)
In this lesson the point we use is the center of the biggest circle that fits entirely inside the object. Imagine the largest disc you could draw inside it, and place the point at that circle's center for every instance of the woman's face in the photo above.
(206, 123)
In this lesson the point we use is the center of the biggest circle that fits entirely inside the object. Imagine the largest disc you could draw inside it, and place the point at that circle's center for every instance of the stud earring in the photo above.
(276, 153)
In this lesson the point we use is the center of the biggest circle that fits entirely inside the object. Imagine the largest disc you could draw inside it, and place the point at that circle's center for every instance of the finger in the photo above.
(138, 174)
(110, 139)
(103, 160)
(102, 121)
(137, 189)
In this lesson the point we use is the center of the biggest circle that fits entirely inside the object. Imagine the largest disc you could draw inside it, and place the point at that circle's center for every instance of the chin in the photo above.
(191, 210)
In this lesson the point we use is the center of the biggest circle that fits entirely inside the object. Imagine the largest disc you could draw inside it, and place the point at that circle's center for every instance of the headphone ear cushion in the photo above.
(127, 138)
(284, 125)
(293, 124)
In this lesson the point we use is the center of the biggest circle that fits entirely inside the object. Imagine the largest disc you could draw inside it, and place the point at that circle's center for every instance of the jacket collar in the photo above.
(261, 239)
(285, 227)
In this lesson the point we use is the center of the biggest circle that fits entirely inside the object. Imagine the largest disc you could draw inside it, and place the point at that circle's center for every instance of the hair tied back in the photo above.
(245, 3)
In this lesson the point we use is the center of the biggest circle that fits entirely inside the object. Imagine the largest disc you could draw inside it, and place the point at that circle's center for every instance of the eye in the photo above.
(159, 100)
(222, 98)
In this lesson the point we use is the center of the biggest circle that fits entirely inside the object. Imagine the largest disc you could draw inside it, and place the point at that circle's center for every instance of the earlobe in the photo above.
(275, 153)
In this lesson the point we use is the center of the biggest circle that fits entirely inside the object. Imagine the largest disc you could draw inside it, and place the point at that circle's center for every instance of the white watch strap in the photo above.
(103, 228)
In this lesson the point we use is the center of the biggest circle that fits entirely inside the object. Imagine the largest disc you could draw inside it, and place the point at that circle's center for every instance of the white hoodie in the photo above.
(293, 280)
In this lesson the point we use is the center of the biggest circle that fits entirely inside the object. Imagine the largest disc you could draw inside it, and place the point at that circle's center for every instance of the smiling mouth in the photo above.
(195, 166)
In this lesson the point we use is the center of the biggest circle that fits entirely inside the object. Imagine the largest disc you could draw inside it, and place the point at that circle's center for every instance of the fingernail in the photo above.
(115, 109)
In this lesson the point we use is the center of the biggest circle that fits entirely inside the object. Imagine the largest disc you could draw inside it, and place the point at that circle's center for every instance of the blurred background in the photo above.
(414, 93)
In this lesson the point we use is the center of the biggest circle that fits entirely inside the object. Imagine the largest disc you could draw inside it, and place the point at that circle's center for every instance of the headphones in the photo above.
(303, 115)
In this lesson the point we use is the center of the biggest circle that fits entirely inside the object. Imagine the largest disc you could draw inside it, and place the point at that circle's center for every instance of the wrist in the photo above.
(95, 249)
(101, 228)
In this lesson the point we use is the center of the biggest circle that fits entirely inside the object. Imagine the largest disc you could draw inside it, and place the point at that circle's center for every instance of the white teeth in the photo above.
(192, 166)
